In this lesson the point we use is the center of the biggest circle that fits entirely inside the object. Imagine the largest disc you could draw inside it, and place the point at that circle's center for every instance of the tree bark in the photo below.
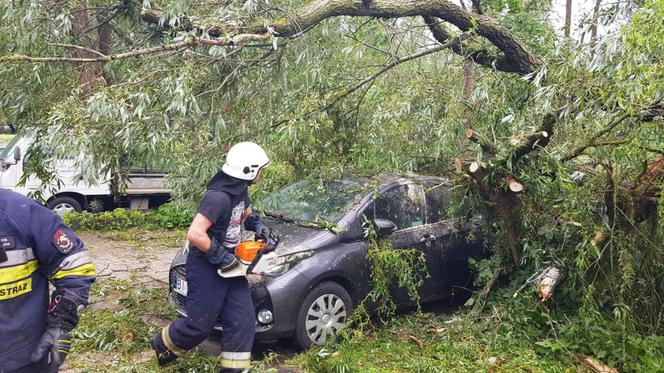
(87, 73)
(568, 19)
(593, 27)
(105, 33)
(517, 56)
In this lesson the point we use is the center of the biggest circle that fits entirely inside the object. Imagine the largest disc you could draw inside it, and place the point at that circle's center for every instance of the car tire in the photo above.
(63, 204)
(324, 311)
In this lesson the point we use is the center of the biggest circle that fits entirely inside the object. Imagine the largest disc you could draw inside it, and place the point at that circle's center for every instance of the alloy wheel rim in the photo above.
(62, 208)
(325, 318)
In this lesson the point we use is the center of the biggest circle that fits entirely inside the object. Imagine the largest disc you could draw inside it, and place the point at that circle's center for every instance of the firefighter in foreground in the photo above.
(37, 247)
(213, 236)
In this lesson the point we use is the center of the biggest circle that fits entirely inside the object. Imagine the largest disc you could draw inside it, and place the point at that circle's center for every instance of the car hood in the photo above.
(294, 238)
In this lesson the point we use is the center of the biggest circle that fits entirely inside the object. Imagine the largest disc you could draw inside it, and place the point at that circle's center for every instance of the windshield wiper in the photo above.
(281, 217)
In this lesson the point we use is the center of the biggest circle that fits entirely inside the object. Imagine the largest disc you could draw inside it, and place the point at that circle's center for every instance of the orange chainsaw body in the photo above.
(246, 251)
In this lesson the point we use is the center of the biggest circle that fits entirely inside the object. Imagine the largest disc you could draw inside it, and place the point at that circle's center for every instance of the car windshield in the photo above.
(312, 201)
(7, 153)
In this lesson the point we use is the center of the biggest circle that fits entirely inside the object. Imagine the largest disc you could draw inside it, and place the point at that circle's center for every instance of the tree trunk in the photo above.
(105, 33)
(593, 27)
(568, 18)
(87, 72)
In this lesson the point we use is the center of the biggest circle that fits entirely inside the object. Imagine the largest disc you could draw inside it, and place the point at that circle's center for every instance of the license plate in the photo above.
(180, 285)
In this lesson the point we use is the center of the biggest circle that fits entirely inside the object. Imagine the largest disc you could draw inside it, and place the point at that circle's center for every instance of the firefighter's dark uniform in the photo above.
(211, 297)
(35, 248)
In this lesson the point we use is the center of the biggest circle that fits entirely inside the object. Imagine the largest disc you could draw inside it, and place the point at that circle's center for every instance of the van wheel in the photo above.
(60, 205)
(323, 313)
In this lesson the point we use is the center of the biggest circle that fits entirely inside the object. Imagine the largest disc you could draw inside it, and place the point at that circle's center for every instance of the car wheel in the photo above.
(322, 315)
(60, 205)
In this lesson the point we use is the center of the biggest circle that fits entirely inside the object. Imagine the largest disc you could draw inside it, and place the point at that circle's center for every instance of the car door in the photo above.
(404, 205)
(450, 242)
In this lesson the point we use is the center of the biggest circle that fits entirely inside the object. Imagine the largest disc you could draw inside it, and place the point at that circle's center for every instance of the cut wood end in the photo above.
(599, 237)
(516, 186)
(457, 165)
(469, 133)
(596, 365)
(549, 280)
(474, 167)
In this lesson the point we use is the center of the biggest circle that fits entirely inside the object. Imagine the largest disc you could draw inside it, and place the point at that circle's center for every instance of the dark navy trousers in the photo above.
(211, 298)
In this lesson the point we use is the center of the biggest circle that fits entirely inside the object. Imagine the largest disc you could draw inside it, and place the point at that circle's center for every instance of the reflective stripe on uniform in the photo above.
(16, 257)
(78, 264)
(15, 289)
(74, 260)
(85, 270)
(236, 360)
(169, 343)
(17, 272)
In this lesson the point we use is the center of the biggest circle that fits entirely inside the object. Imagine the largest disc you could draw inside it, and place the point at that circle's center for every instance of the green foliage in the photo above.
(184, 110)
(426, 342)
(165, 217)
(403, 268)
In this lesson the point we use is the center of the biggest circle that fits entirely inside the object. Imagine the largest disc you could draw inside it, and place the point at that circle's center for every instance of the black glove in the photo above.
(56, 343)
(219, 256)
(254, 223)
(62, 317)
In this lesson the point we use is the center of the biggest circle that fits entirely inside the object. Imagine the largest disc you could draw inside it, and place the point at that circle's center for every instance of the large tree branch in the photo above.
(520, 61)
(190, 41)
(517, 57)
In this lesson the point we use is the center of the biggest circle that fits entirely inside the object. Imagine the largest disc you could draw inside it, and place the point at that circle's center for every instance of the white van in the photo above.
(144, 189)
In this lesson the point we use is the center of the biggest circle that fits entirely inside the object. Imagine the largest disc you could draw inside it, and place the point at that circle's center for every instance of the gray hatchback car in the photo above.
(308, 287)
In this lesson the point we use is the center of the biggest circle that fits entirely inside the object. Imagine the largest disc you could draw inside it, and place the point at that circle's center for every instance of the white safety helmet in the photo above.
(244, 160)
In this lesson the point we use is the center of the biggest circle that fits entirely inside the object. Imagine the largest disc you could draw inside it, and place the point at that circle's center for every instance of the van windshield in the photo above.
(7, 153)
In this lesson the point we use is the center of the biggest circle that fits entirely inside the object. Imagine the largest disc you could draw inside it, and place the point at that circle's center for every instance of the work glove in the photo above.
(55, 343)
(62, 317)
(254, 223)
(219, 256)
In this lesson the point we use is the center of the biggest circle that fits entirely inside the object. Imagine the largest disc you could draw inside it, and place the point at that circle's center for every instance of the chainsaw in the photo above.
(249, 253)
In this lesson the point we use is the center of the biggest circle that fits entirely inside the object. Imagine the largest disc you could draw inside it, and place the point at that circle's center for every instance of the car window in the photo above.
(402, 205)
(309, 200)
(438, 198)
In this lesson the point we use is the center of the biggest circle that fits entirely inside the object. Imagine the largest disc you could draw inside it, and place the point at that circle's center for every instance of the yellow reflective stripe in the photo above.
(83, 270)
(168, 343)
(11, 274)
(13, 290)
(238, 364)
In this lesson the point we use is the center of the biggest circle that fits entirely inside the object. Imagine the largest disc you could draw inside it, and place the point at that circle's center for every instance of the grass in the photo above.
(430, 343)
(138, 237)
(114, 334)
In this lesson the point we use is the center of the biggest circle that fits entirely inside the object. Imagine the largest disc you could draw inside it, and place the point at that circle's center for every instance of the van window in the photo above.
(7, 153)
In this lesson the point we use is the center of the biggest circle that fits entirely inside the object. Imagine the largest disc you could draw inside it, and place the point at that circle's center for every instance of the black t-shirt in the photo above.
(225, 211)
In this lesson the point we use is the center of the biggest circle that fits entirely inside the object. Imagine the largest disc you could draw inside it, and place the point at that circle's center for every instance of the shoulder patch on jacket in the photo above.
(62, 242)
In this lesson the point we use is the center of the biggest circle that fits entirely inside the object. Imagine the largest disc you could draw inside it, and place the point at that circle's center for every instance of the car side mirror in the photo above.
(17, 154)
(384, 227)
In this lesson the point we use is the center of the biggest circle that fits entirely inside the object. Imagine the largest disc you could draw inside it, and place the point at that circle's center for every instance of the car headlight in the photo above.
(275, 265)
(264, 316)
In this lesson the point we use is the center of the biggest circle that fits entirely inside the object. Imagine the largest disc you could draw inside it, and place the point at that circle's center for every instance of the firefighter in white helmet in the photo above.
(213, 236)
